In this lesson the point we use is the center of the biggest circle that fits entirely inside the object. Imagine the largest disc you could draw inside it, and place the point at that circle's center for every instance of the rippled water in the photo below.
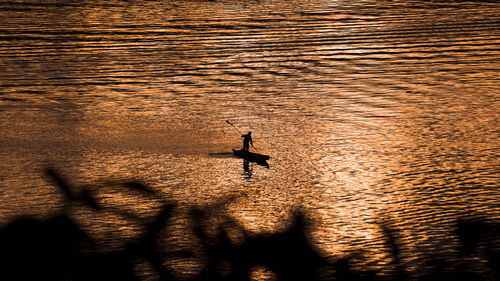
(371, 111)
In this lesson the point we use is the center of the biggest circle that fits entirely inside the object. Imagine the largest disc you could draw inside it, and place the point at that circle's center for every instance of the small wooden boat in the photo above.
(250, 156)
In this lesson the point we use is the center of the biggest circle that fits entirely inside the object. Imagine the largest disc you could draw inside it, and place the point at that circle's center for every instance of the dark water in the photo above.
(371, 111)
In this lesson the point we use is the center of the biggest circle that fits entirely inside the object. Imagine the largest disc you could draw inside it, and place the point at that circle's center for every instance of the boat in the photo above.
(250, 156)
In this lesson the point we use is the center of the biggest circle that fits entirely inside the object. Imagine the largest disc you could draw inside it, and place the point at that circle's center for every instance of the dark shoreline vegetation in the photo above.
(57, 249)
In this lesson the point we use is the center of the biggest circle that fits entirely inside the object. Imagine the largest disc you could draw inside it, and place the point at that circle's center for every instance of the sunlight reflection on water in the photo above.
(370, 111)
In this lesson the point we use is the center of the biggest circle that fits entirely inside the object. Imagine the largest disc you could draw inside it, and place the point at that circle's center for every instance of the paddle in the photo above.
(227, 121)
(234, 127)
(255, 148)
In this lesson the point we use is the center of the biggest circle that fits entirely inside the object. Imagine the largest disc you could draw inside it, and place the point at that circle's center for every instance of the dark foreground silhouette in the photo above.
(57, 249)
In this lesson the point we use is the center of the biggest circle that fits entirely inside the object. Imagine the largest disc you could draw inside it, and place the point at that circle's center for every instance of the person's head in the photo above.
(249, 133)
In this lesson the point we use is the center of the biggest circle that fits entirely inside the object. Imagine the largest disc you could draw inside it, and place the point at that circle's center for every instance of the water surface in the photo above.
(371, 111)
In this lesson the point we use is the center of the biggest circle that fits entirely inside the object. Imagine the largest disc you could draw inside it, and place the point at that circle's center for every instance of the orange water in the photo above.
(371, 111)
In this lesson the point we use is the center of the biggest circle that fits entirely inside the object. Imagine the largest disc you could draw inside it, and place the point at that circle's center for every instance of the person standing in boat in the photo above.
(247, 139)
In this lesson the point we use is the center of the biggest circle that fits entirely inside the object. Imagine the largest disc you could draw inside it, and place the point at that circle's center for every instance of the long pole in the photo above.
(255, 148)
(234, 127)
(240, 133)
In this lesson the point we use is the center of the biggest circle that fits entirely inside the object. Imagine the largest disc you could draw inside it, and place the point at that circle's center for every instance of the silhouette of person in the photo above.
(247, 139)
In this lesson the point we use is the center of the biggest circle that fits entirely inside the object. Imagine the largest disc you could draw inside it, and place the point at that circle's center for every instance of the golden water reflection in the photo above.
(373, 113)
